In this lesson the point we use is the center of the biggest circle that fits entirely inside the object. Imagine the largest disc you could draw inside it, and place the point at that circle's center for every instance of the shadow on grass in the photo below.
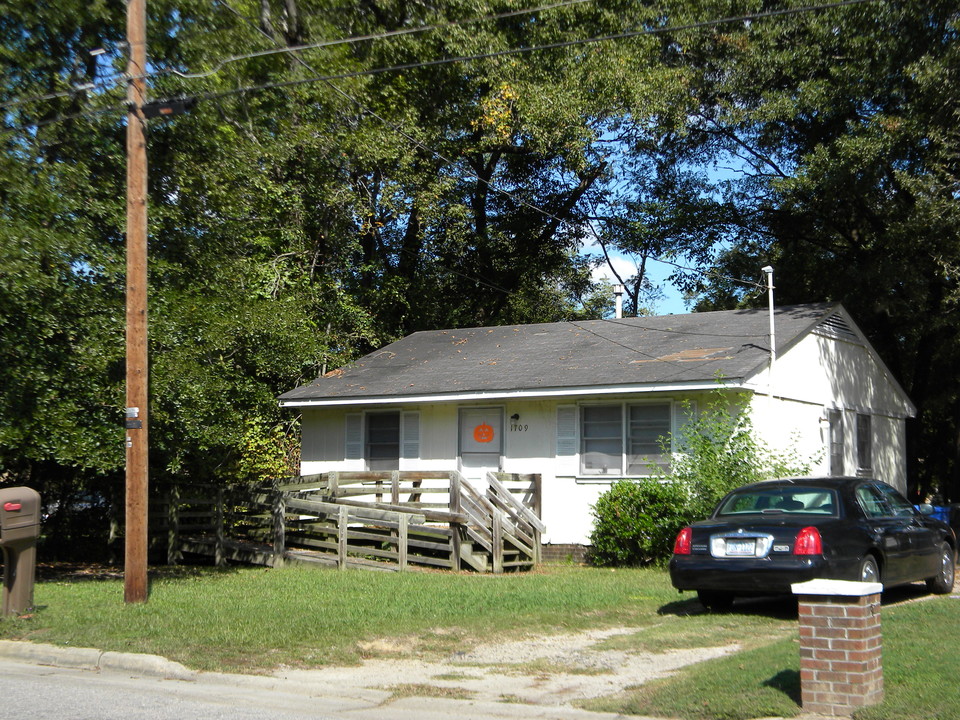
(780, 607)
(74, 572)
(787, 682)
(904, 594)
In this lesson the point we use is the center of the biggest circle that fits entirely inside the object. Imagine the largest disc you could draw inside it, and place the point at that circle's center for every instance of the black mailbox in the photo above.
(19, 530)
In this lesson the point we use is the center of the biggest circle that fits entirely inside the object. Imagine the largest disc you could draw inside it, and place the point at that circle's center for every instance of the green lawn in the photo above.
(253, 620)
(920, 663)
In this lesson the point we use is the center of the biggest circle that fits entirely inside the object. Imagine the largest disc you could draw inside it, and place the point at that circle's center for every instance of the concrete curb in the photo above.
(95, 660)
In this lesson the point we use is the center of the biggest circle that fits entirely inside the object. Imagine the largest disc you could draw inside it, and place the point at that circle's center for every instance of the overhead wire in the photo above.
(107, 77)
(373, 36)
(432, 63)
(479, 56)
(510, 51)
(482, 56)
(526, 49)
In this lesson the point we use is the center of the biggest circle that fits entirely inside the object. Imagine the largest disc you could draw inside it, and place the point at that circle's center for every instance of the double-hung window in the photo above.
(624, 439)
(382, 439)
(601, 439)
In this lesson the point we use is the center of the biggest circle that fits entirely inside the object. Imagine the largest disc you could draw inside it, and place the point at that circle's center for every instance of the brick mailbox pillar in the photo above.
(841, 666)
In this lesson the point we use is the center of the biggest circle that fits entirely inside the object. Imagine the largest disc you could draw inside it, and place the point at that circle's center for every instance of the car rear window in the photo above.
(774, 501)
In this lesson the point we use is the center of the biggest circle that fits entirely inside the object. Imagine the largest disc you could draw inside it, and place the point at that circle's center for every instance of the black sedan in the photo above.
(761, 538)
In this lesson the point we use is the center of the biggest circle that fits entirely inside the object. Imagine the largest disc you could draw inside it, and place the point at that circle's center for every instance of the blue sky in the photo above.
(672, 302)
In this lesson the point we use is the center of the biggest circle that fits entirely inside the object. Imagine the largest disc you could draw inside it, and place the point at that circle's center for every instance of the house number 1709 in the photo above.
(517, 427)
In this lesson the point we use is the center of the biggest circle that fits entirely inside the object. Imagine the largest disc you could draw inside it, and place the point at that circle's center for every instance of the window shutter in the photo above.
(353, 436)
(566, 430)
(410, 435)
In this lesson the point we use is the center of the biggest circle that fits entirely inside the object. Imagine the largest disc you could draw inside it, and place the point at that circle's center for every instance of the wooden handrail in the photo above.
(518, 506)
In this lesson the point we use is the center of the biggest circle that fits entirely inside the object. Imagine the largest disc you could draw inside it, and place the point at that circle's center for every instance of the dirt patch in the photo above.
(553, 670)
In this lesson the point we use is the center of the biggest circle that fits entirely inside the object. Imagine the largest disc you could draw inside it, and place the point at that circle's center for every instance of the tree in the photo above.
(825, 144)
(294, 223)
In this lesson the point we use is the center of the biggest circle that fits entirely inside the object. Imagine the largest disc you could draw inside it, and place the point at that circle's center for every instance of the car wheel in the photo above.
(942, 582)
(869, 570)
(715, 600)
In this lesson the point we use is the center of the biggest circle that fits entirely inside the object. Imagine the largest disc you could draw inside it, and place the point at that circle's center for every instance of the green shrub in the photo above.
(636, 522)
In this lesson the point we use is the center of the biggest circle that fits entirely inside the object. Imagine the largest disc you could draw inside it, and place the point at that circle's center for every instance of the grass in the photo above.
(761, 682)
(256, 620)
(919, 663)
(420, 690)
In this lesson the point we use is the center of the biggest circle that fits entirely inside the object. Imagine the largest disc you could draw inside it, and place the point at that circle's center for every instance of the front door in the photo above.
(481, 441)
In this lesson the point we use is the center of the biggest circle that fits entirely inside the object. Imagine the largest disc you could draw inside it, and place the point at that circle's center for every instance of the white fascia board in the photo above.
(514, 394)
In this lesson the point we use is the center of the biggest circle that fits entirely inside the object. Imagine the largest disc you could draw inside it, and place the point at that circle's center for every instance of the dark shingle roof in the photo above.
(669, 349)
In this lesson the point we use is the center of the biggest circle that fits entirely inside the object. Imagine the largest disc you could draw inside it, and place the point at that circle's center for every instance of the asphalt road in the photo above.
(32, 692)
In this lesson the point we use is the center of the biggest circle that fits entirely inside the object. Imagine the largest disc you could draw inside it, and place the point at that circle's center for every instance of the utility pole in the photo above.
(135, 538)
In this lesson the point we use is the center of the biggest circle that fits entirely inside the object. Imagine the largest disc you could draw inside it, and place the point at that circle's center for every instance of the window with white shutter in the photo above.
(410, 435)
(353, 436)
(567, 431)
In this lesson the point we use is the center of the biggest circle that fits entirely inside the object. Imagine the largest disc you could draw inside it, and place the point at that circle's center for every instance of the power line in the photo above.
(103, 80)
(365, 38)
(329, 81)
(62, 118)
(533, 48)
(467, 58)
(49, 96)
(493, 54)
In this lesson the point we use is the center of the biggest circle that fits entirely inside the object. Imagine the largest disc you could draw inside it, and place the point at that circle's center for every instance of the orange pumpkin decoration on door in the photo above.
(483, 433)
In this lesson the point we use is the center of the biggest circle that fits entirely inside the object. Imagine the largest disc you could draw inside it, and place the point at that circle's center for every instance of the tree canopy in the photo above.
(355, 171)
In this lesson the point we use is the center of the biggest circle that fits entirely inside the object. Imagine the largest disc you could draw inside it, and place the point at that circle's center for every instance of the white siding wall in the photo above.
(529, 447)
(791, 427)
(820, 374)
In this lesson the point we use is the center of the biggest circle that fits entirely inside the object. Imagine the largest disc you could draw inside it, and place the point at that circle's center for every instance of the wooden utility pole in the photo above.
(135, 544)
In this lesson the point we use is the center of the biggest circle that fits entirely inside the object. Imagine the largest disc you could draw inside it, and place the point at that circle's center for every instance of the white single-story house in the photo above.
(586, 403)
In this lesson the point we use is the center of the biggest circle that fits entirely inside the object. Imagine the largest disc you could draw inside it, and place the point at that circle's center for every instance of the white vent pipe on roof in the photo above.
(618, 300)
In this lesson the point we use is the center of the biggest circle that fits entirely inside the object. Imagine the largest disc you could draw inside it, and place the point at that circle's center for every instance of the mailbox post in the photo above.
(19, 530)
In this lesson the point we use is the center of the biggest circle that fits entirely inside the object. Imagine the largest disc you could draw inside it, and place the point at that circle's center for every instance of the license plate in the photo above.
(741, 548)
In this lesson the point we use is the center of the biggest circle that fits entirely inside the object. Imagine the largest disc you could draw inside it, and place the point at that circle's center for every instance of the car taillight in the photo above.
(808, 542)
(683, 542)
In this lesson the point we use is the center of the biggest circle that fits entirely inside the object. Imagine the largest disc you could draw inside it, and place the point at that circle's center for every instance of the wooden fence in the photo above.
(388, 520)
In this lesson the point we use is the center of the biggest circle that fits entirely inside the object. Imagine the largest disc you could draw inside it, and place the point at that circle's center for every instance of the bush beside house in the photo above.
(636, 521)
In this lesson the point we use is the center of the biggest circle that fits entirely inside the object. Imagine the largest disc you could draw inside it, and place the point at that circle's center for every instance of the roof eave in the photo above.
(518, 394)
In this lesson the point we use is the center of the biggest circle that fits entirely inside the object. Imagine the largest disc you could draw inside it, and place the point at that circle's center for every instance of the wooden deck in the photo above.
(384, 521)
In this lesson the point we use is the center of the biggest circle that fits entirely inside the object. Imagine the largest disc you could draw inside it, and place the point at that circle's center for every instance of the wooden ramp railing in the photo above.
(388, 520)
